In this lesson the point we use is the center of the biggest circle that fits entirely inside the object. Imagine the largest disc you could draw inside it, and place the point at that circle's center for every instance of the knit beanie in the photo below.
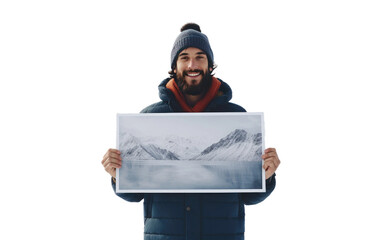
(191, 36)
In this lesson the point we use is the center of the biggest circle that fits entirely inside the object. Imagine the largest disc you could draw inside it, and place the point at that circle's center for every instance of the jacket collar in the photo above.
(223, 97)
(202, 103)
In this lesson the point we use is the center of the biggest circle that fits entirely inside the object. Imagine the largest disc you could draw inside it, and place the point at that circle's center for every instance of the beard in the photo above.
(194, 90)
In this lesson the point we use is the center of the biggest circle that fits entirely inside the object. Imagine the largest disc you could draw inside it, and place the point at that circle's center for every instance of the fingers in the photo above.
(270, 168)
(271, 161)
(269, 154)
(112, 165)
(268, 150)
(111, 150)
(111, 171)
(111, 154)
(114, 157)
(111, 161)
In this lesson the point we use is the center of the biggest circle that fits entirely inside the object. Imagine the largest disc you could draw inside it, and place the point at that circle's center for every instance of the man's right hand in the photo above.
(111, 161)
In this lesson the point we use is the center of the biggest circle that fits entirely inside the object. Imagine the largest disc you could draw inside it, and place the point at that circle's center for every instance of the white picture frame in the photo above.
(190, 152)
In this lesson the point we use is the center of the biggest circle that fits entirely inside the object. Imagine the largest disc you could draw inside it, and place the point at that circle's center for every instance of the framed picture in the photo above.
(190, 152)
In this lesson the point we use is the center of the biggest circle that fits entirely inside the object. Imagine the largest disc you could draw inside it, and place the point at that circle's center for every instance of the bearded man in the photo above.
(192, 87)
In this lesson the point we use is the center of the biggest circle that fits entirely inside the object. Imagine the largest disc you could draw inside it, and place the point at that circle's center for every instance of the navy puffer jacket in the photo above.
(193, 216)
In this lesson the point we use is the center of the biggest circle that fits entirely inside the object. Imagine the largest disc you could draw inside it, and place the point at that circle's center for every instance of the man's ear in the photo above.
(210, 69)
(174, 70)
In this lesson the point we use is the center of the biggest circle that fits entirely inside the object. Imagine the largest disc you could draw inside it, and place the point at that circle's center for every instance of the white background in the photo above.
(67, 68)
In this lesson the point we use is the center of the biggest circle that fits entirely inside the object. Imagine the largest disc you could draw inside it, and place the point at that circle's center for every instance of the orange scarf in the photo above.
(202, 103)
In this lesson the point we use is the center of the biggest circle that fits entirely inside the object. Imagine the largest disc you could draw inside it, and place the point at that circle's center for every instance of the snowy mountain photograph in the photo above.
(190, 152)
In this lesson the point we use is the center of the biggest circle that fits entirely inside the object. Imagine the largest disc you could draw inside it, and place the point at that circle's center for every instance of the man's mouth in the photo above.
(193, 74)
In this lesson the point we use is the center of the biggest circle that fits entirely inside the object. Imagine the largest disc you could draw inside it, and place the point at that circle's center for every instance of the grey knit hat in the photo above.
(191, 36)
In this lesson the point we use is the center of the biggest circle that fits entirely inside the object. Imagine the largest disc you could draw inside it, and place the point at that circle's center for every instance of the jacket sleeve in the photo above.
(255, 198)
(131, 197)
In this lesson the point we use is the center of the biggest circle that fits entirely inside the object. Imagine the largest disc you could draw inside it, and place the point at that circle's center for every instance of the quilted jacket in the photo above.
(193, 216)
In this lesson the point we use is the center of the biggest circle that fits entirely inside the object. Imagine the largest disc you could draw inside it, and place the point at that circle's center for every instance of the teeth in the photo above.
(193, 74)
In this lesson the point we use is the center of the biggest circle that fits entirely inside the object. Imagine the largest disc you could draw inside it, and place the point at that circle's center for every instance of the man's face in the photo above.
(192, 71)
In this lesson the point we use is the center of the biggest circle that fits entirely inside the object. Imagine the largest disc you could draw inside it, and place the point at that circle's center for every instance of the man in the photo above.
(193, 88)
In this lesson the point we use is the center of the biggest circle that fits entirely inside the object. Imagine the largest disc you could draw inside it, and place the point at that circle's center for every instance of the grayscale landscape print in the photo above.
(197, 152)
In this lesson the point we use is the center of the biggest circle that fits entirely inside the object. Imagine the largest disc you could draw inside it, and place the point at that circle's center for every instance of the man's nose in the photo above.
(192, 64)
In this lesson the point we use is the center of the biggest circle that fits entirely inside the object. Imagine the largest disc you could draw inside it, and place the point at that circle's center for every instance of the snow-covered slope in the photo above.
(132, 148)
(238, 145)
(184, 148)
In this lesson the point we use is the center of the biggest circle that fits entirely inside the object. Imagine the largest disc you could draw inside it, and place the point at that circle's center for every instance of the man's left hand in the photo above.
(271, 161)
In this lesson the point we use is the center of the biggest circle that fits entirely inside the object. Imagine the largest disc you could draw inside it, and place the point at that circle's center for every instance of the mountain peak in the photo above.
(238, 135)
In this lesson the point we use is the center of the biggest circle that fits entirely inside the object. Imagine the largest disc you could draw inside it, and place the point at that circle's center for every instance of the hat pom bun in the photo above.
(190, 26)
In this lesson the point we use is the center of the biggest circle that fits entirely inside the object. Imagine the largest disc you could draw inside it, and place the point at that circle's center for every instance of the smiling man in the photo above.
(192, 87)
(192, 72)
